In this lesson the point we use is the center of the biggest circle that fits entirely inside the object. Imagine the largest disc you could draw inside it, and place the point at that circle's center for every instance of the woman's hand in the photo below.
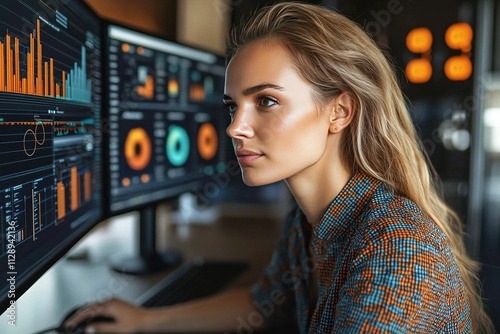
(217, 313)
(127, 318)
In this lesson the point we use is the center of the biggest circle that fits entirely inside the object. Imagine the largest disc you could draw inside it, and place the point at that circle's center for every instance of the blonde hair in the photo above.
(335, 55)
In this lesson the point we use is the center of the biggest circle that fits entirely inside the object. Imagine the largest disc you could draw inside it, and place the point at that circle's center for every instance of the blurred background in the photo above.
(447, 57)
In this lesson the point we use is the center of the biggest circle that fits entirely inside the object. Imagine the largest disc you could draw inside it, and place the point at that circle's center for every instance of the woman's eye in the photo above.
(232, 108)
(266, 102)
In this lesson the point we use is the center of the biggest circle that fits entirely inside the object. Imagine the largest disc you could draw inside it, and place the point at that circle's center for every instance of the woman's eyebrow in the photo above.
(255, 89)
(258, 88)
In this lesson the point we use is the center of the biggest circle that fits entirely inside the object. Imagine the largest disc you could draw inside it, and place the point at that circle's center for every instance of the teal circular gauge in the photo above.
(177, 145)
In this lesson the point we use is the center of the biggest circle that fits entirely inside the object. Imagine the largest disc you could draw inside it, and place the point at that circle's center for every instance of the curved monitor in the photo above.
(50, 130)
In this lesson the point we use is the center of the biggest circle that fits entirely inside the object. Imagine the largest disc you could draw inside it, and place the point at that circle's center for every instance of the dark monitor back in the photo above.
(50, 130)
(166, 118)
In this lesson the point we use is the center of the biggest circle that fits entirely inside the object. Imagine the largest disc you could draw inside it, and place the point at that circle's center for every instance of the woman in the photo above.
(371, 246)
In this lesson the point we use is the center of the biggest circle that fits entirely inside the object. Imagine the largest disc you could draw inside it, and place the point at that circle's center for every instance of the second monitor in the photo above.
(166, 125)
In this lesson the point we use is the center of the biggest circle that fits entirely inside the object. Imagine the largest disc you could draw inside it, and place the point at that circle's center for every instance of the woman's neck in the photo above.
(316, 187)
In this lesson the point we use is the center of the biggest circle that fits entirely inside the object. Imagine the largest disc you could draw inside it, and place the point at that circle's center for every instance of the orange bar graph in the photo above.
(88, 186)
(61, 201)
(9, 63)
(31, 73)
(39, 78)
(2, 74)
(46, 68)
(28, 71)
(75, 188)
(17, 82)
(63, 84)
(51, 77)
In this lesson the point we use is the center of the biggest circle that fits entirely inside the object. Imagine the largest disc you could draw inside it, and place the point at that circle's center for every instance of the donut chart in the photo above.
(138, 149)
(207, 141)
(177, 145)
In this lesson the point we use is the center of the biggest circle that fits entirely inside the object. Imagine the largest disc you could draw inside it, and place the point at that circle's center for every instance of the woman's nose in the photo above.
(241, 125)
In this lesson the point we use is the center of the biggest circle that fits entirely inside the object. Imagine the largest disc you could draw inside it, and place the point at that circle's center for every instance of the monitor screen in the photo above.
(50, 130)
(166, 118)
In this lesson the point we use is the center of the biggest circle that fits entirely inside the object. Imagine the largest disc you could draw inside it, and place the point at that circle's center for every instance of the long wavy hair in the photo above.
(335, 55)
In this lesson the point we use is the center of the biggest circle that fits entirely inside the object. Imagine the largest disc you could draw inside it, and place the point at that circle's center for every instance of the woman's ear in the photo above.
(341, 113)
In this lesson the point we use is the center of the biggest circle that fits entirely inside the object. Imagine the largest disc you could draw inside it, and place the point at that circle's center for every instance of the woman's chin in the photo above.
(255, 181)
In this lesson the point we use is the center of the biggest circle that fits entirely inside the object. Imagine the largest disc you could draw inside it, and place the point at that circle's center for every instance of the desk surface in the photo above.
(70, 283)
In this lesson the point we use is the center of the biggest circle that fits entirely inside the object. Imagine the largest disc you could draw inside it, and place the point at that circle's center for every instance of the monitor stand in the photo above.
(149, 260)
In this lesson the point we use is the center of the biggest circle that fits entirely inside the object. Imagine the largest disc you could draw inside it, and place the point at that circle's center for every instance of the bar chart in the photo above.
(25, 70)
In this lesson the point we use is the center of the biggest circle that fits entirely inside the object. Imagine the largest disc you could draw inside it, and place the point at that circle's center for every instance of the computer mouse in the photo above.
(80, 328)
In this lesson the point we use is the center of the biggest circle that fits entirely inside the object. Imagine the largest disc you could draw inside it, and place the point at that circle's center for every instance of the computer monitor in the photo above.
(166, 129)
(50, 130)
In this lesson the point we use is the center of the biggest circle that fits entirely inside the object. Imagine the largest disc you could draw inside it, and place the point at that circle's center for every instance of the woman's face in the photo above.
(276, 128)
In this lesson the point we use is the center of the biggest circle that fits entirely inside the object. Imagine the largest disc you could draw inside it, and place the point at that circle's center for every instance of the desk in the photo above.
(71, 283)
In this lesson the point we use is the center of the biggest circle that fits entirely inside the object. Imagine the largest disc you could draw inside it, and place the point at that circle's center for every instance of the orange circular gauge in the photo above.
(145, 178)
(126, 182)
(207, 141)
(138, 149)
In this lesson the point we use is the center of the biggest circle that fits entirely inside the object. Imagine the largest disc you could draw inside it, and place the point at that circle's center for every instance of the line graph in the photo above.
(34, 133)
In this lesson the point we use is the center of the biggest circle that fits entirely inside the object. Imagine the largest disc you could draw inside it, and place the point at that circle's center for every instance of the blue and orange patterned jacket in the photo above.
(382, 266)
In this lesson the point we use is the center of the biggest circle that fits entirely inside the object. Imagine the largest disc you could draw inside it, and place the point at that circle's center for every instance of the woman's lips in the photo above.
(247, 156)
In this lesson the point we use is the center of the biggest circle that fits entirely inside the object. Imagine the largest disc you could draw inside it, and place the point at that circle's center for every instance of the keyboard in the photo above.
(196, 279)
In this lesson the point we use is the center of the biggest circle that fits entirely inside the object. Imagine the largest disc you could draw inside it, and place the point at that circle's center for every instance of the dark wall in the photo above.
(242, 8)
(158, 17)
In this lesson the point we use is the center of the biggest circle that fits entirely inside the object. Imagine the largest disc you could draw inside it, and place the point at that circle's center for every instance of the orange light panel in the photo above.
(418, 70)
(419, 40)
(458, 36)
(458, 68)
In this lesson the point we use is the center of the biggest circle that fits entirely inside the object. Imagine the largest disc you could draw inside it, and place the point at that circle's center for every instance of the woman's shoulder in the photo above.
(391, 218)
